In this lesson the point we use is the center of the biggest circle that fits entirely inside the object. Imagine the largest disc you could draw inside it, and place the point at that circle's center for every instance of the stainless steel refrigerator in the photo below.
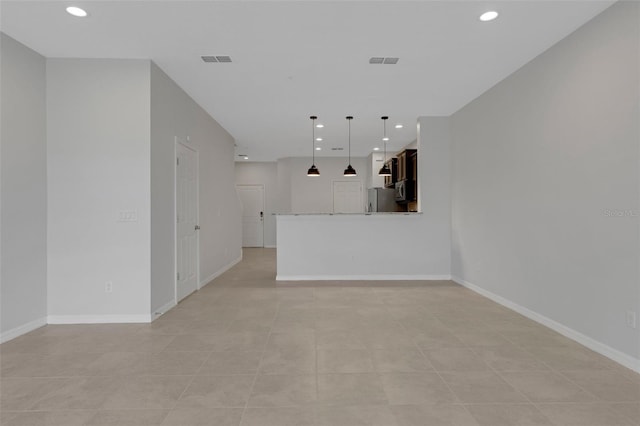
(381, 200)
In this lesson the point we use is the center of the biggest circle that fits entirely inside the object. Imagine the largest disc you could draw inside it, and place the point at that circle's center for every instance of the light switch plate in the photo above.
(128, 216)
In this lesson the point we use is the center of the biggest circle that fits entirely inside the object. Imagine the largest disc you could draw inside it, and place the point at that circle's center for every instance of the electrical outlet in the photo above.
(108, 287)
(632, 319)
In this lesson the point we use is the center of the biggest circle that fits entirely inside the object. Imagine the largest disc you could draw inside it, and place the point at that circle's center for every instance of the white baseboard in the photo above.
(22, 329)
(596, 346)
(98, 319)
(363, 277)
(157, 313)
(220, 271)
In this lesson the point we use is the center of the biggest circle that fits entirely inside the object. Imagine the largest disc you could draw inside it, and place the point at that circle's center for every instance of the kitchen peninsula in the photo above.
(371, 246)
(374, 246)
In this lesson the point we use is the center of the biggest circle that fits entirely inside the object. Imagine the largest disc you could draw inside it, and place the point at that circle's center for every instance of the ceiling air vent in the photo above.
(220, 59)
(380, 60)
(337, 149)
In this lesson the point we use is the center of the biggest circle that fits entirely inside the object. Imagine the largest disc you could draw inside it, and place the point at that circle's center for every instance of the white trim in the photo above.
(22, 329)
(220, 272)
(157, 313)
(186, 144)
(599, 347)
(363, 277)
(273, 246)
(98, 319)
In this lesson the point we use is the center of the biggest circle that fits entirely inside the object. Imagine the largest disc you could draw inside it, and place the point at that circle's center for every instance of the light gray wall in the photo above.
(375, 161)
(265, 174)
(174, 113)
(23, 276)
(539, 160)
(98, 165)
(434, 192)
(284, 185)
(315, 194)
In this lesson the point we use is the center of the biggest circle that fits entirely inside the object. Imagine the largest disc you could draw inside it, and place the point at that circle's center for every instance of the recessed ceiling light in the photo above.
(385, 139)
(76, 11)
(318, 148)
(376, 149)
(319, 139)
(319, 126)
(399, 126)
(489, 16)
(245, 157)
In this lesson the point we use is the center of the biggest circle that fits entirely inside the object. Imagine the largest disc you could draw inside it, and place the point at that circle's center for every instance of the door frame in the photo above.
(185, 143)
(264, 200)
(362, 197)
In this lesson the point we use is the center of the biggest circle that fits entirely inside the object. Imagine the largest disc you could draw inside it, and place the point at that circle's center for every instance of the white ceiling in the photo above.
(300, 58)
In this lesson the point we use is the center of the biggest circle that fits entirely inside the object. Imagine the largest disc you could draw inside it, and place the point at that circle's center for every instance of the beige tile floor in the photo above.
(246, 350)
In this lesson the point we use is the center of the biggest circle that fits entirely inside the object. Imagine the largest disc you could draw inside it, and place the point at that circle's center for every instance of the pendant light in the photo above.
(349, 171)
(313, 170)
(384, 171)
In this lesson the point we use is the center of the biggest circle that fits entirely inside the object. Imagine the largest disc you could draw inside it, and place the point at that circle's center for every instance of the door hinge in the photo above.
(178, 161)
(178, 276)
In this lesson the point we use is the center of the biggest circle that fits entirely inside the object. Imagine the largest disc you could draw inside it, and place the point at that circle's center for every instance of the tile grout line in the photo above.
(255, 377)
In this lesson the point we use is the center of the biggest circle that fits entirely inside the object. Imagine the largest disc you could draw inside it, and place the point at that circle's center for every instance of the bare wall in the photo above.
(545, 183)
(98, 166)
(23, 276)
(174, 113)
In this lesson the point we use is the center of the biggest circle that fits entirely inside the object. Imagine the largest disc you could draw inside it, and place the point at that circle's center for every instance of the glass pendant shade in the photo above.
(313, 171)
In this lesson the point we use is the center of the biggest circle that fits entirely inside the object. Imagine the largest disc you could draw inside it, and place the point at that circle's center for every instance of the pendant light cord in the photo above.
(384, 137)
(313, 141)
(349, 118)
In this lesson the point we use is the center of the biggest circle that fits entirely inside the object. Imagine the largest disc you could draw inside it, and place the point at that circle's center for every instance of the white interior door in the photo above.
(252, 203)
(347, 196)
(186, 221)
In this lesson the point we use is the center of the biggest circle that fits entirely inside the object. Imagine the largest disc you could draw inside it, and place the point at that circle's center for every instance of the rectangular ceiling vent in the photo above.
(337, 149)
(218, 59)
(380, 60)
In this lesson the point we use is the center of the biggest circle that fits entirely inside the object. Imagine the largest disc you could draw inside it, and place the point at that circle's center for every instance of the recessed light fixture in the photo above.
(245, 157)
(385, 139)
(76, 11)
(489, 16)
(318, 148)
(399, 126)
(319, 126)
(319, 139)
(376, 149)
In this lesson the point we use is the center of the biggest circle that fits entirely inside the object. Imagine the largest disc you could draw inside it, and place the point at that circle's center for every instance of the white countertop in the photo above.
(351, 214)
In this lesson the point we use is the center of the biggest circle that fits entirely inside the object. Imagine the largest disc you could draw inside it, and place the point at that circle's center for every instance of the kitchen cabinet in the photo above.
(413, 160)
(406, 165)
(390, 181)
